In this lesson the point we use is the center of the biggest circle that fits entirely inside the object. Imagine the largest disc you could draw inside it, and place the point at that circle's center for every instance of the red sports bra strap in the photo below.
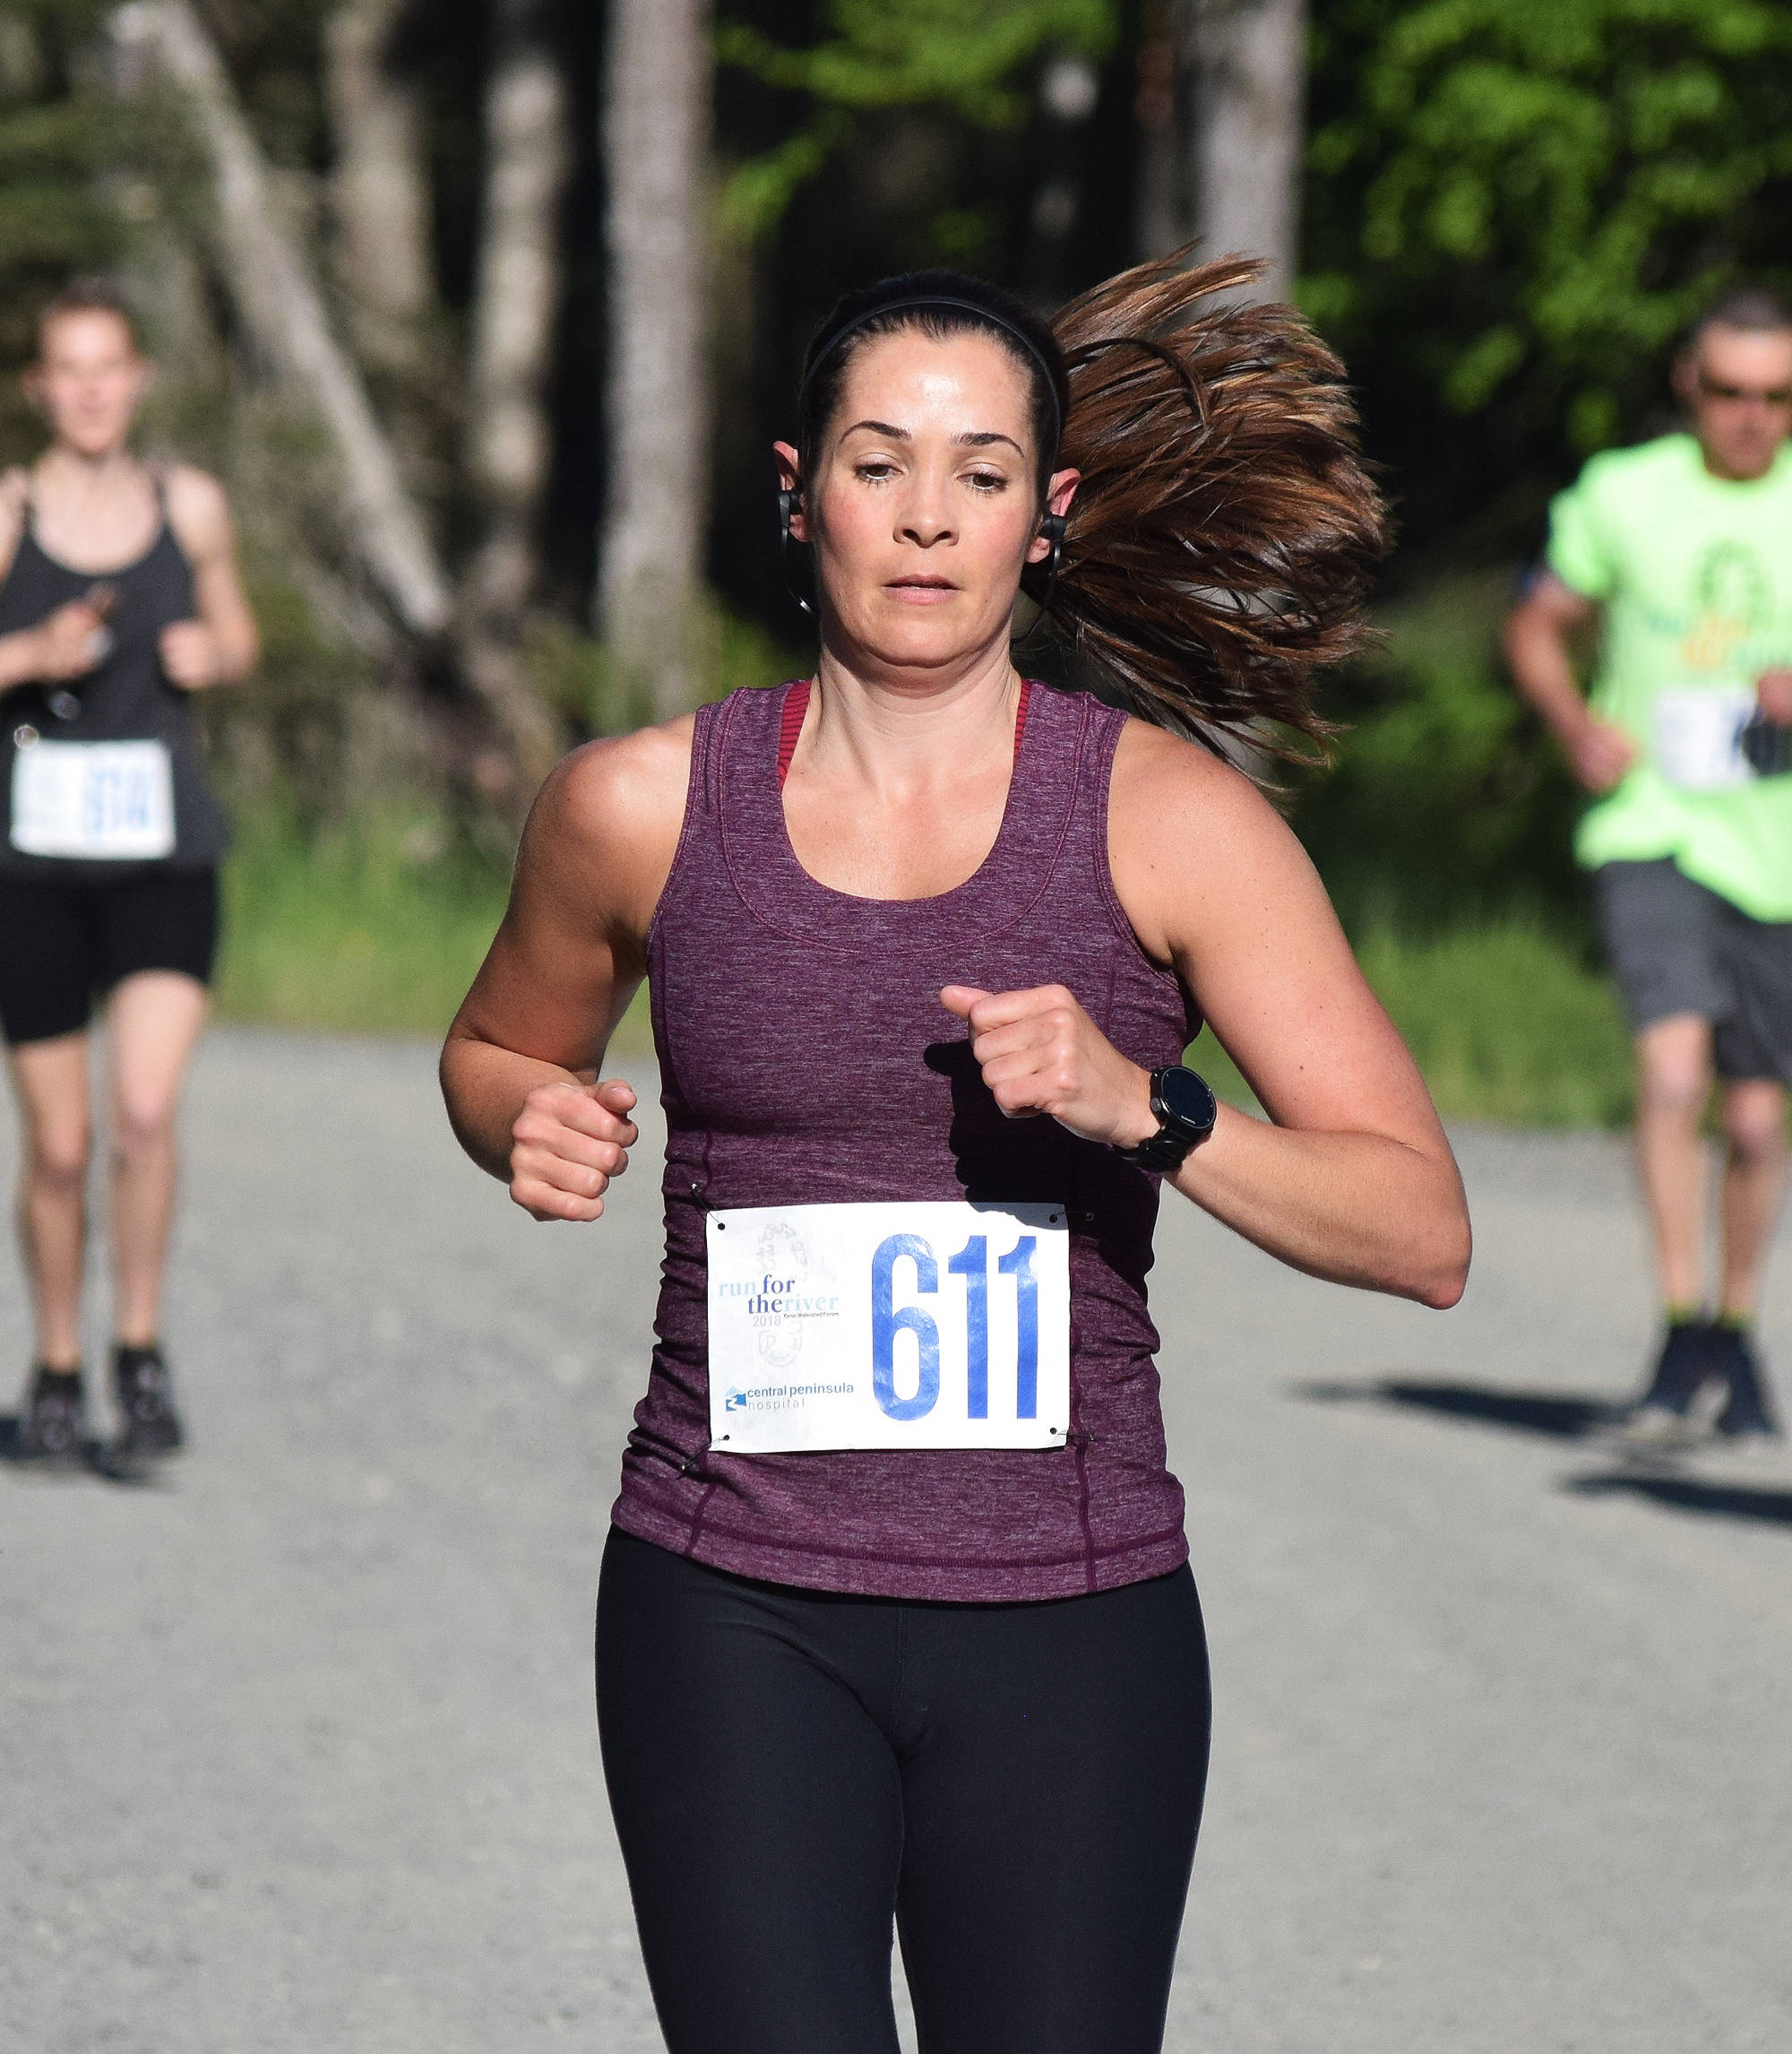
(797, 707)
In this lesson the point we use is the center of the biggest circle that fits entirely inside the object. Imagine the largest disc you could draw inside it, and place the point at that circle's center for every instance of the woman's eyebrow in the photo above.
(972, 438)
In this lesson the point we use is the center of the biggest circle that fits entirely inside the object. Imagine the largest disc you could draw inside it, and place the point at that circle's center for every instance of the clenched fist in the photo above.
(1602, 753)
(570, 1143)
(191, 657)
(1773, 689)
(74, 640)
(1041, 1053)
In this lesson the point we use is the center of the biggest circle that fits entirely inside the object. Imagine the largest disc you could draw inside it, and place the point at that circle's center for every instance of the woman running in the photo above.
(896, 1616)
(120, 599)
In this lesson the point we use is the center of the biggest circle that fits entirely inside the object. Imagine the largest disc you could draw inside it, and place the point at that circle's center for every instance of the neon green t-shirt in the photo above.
(1694, 574)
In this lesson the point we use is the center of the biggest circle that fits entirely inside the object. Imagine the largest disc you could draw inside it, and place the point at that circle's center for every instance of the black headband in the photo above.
(921, 304)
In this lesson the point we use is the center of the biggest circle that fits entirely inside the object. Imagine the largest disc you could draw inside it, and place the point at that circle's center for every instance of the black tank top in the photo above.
(126, 699)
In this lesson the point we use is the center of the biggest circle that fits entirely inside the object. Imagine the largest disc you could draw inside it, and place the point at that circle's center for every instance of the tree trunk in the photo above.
(656, 130)
(380, 189)
(281, 309)
(279, 303)
(517, 298)
(1159, 206)
(1250, 63)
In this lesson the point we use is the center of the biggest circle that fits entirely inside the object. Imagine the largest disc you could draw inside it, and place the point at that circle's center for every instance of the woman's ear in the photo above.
(1059, 494)
(790, 480)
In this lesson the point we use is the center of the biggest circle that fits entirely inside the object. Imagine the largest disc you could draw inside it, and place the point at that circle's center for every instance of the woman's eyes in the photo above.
(874, 470)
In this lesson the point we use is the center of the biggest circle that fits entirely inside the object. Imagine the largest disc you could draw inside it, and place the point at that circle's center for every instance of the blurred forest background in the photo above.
(486, 312)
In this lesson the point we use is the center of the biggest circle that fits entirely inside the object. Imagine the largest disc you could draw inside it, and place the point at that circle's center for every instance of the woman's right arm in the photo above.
(519, 1068)
(64, 644)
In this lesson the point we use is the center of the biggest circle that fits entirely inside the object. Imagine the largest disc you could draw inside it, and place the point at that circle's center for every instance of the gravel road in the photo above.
(296, 1749)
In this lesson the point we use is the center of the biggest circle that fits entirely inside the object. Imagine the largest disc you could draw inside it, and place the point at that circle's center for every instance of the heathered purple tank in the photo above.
(805, 1060)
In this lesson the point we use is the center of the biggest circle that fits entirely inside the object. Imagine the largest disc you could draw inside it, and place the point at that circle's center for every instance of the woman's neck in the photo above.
(896, 729)
(61, 469)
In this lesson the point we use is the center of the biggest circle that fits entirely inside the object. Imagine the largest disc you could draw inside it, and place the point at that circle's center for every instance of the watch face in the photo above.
(1186, 1099)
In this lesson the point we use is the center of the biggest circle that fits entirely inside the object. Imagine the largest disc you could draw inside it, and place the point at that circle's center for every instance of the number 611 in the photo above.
(972, 1263)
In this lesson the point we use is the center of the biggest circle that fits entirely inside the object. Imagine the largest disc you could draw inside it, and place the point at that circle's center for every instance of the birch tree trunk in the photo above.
(656, 133)
(1250, 108)
(279, 303)
(380, 189)
(516, 301)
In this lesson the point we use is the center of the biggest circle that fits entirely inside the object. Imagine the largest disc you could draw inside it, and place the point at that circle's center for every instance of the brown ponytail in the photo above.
(1223, 538)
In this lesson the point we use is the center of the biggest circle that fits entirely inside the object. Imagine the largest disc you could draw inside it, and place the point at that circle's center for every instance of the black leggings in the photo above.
(1019, 1784)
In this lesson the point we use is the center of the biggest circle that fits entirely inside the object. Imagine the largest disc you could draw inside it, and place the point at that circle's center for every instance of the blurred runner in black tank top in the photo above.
(120, 598)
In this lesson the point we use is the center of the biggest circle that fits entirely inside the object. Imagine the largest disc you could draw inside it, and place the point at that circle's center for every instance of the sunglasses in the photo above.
(1743, 395)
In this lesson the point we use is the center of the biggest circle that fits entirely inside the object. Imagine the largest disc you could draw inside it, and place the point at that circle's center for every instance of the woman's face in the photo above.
(89, 379)
(923, 504)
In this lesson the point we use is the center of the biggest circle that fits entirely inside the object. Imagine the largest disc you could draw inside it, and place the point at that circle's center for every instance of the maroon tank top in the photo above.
(806, 1058)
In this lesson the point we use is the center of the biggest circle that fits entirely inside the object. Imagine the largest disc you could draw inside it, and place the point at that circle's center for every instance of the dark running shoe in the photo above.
(1669, 1408)
(1748, 1411)
(53, 1430)
(148, 1424)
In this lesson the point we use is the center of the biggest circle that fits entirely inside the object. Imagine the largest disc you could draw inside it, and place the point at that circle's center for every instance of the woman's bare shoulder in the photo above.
(1185, 826)
(16, 491)
(612, 811)
(1168, 790)
(198, 508)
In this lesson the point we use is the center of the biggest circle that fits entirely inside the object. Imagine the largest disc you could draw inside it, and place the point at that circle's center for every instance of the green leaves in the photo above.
(961, 57)
(1546, 188)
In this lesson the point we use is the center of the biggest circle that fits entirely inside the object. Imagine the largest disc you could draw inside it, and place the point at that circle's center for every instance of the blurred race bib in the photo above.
(1698, 735)
(97, 801)
(889, 1325)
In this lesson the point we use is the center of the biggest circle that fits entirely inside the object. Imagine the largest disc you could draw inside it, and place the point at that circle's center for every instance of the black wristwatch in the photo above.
(1186, 1109)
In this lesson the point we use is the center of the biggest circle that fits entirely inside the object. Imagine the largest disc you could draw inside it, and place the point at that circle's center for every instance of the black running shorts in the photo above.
(1675, 946)
(62, 943)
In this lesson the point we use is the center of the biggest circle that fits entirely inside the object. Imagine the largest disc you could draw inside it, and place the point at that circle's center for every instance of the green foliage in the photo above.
(56, 216)
(574, 673)
(1448, 800)
(375, 927)
(961, 57)
(1507, 1021)
(1537, 194)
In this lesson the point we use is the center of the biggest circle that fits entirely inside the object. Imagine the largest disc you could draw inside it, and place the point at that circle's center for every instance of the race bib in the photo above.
(103, 801)
(926, 1325)
(1698, 735)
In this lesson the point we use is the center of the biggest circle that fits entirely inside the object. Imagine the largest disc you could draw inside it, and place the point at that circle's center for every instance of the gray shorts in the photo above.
(1676, 947)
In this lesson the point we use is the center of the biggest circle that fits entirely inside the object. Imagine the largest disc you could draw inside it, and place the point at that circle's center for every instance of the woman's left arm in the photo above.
(220, 646)
(1350, 1178)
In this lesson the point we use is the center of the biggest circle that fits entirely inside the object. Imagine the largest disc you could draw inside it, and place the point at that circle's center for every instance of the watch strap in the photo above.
(1177, 1138)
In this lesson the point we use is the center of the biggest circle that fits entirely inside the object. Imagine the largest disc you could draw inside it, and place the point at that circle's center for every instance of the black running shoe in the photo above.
(148, 1424)
(53, 1430)
(1748, 1411)
(1687, 1366)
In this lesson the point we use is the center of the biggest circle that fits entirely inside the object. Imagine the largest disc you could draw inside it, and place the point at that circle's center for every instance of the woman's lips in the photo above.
(921, 591)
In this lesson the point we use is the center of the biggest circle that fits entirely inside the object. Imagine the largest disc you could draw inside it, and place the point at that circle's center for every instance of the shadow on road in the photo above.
(1690, 1494)
(1556, 1415)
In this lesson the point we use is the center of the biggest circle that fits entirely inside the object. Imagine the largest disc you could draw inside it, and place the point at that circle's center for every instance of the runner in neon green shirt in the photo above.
(1681, 550)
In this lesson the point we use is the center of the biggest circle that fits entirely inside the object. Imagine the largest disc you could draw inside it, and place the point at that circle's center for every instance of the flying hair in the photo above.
(1221, 544)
